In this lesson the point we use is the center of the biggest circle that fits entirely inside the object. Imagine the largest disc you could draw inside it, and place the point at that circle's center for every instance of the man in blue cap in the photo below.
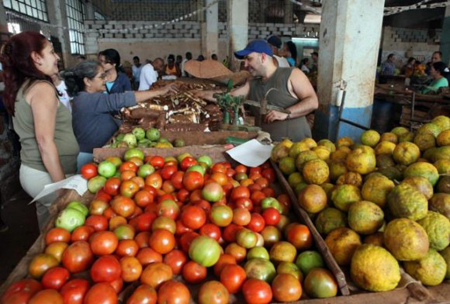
(288, 88)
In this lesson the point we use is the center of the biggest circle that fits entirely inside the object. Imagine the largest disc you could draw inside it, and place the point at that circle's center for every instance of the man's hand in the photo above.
(275, 115)
(170, 88)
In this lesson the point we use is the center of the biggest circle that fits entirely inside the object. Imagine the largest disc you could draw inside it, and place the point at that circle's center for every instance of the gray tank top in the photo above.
(297, 128)
(64, 137)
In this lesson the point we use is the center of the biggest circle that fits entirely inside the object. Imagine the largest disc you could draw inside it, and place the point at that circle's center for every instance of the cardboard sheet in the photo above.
(251, 154)
(76, 182)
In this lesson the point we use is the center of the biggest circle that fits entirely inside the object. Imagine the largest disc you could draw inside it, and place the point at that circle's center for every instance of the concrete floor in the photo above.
(23, 231)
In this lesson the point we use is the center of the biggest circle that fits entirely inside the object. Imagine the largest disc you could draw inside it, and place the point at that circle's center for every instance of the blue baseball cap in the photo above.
(258, 46)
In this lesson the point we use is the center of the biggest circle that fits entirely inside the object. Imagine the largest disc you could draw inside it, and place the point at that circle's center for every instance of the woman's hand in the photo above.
(170, 88)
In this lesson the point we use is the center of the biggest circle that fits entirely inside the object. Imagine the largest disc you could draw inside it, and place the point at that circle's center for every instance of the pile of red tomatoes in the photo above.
(162, 225)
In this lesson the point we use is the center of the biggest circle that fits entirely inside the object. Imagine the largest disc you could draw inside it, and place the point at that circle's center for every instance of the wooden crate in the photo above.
(416, 289)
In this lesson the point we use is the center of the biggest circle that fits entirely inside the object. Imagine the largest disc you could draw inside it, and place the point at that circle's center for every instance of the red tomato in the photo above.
(147, 256)
(143, 198)
(182, 195)
(21, 291)
(112, 186)
(162, 241)
(257, 197)
(98, 222)
(194, 273)
(177, 179)
(73, 292)
(106, 269)
(205, 205)
(213, 292)
(238, 252)
(123, 205)
(193, 217)
(154, 180)
(127, 248)
(168, 171)
(128, 166)
(127, 175)
(257, 223)
(144, 294)
(224, 260)
(193, 180)
(257, 291)
(241, 216)
(101, 293)
(180, 228)
(240, 192)
(157, 162)
(46, 296)
(219, 168)
(128, 188)
(176, 259)
(300, 236)
(188, 162)
(145, 221)
(286, 288)
(131, 269)
(173, 292)
(103, 242)
(168, 208)
(155, 274)
(241, 169)
(232, 277)
(117, 285)
(244, 203)
(271, 216)
(82, 233)
(57, 235)
(269, 192)
(186, 240)
(55, 278)
(88, 171)
(211, 230)
(269, 173)
(255, 170)
(77, 257)
(229, 233)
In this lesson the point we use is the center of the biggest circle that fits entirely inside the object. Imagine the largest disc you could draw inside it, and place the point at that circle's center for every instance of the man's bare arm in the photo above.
(209, 95)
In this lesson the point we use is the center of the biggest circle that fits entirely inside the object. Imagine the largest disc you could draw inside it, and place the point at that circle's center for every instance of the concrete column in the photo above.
(237, 14)
(445, 37)
(210, 30)
(90, 11)
(350, 35)
(57, 15)
(288, 12)
(3, 23)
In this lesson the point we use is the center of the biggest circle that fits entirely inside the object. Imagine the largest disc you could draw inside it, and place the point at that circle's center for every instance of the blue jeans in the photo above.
(82, 159)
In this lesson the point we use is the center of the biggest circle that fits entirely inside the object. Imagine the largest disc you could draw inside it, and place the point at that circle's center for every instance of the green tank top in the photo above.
(65, 140)
(297, 128)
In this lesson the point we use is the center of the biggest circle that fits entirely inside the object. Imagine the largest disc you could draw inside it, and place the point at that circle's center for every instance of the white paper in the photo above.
(76, 182)
(251, 153)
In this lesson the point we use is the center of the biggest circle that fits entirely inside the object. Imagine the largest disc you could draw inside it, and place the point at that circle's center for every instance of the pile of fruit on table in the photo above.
(139, 137)
(176, 229)
(381, 204)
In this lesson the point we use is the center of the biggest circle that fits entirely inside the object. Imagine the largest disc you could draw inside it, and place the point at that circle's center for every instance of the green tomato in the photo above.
(139, 133)
(270, 202)
(78, 206)
(205, 251)
(205, 159)
(258, 253)
(70, 219)
(107, 169)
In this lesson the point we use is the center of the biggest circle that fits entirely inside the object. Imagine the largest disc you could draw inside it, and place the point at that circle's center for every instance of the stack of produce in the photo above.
(181, 111)
(138, 137)
(164, 225)
(380, 204)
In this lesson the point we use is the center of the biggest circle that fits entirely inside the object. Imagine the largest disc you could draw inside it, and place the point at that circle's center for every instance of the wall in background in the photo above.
(421, 43)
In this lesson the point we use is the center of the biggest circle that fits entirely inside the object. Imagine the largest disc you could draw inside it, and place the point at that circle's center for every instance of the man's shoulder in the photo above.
(147, 67)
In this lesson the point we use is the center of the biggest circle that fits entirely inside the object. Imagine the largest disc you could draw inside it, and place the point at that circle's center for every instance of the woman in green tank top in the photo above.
(44, 125)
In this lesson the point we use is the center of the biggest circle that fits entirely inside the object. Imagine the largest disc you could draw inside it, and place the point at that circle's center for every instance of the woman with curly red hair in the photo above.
(44, 125)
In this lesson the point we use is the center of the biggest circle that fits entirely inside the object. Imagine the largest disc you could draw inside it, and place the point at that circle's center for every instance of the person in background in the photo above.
(275, 44)
(304, 65)
(436, 57)
(200, 58)
(62, 91)
(137, 67)
(409, 67)
(81, 58)
(214, 57)
(178, 61)
(188, 57)
(439, 72)
(93, 123)
(117, 80)
(290, 53)
(171, 68)
(150, 73)
(49, 147)
(388, 67)
(287, 88)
